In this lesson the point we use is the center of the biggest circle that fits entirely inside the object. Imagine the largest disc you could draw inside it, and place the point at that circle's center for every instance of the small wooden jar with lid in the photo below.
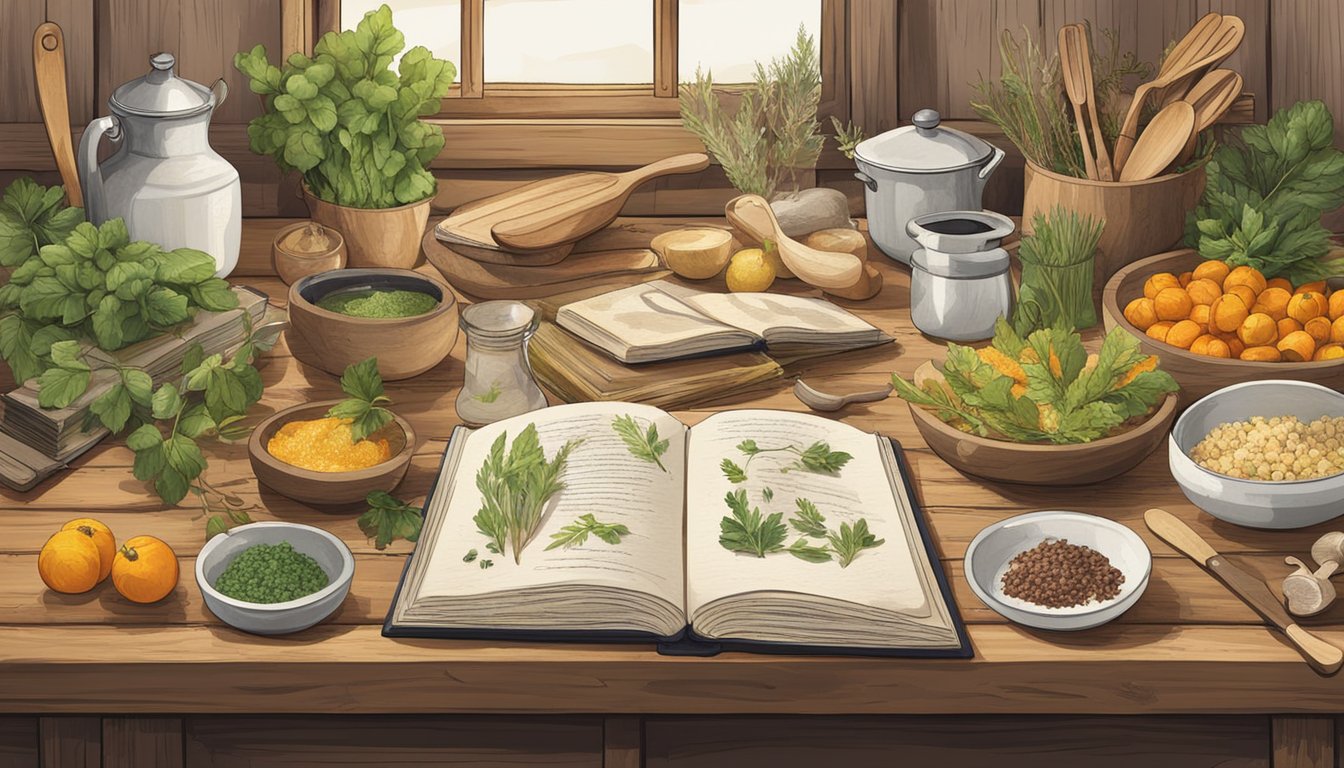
(307, 248)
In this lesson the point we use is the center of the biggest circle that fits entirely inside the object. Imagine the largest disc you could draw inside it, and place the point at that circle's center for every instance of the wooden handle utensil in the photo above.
(1104, 168)
(1321, 655)
(1161, 142)
(1211, 97)
(49, 70)
(751, 215)
(1071, 62)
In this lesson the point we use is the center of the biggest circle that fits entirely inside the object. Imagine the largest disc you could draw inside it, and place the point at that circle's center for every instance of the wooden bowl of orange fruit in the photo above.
(1212, 325)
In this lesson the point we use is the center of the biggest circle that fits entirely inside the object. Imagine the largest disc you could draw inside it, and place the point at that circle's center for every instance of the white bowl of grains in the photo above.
(1244, 454)
(1058, 570)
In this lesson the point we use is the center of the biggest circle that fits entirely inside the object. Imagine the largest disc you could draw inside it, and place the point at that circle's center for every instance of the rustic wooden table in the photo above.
(1188, 650)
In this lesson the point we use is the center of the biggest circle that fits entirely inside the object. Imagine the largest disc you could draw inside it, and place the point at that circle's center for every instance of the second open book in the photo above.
(754, 530)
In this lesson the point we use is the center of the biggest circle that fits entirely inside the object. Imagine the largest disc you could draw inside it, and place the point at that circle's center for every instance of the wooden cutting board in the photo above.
(502, 281)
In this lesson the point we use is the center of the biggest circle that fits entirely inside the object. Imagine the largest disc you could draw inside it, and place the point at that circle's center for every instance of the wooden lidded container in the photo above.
(307, 248)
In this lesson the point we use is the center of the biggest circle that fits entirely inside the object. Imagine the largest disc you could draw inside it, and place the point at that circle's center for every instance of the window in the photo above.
(710, 34)
(569, 41)
(435, 24)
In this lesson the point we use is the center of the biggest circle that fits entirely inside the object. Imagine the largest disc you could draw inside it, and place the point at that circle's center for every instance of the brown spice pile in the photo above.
(1057, 574)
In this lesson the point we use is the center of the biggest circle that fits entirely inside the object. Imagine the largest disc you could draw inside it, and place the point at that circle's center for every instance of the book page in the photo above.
(640, 316)
(760, 313)
(882, 576)
(602, 478)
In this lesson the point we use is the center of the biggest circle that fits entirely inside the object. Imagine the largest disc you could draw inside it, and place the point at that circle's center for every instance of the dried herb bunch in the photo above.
(1057, 267)
(1028, 104)
(774, 132)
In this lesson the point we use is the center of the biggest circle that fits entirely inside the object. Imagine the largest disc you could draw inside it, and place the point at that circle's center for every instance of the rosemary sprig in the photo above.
(576, 533)
(515, 487)
(643, 444)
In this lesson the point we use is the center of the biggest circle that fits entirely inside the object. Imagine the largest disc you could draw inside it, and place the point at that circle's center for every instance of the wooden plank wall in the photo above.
(902, 55)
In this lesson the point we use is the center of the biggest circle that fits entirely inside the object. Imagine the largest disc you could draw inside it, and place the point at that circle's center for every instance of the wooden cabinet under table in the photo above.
(1190, 677)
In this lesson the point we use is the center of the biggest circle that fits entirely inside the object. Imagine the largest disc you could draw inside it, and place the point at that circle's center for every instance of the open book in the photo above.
(661, 321)
(754, 530)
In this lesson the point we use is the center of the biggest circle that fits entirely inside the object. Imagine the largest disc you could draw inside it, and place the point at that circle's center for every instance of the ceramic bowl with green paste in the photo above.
(408, 320)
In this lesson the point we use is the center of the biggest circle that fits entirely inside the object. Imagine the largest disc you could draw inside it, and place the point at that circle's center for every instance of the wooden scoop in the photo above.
(1161, 142)
(1071, 61)
(49, 69)
(1321, 655)
(752, 215)
(1211, 97)
(1212, 39)
(569, 208)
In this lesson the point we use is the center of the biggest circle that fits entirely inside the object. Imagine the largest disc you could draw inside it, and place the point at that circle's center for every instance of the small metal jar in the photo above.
(961, 284)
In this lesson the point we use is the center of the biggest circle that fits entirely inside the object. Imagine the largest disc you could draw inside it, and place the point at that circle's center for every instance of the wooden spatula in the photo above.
(49, 69)
(1104, 168)
(569, 211)
(1161, 142)
(751, 214)
(1321, 655)
(1071, 61)
(1211, 97)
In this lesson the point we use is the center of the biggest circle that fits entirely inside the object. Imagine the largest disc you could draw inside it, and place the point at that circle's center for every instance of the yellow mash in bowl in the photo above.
(324, 445)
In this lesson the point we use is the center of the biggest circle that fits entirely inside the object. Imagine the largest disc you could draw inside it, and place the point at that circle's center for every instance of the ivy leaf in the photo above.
(113, 407)
(59, 387)
(166, 403)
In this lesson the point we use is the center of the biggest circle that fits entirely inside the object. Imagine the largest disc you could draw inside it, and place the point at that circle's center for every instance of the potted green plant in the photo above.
(352, 127)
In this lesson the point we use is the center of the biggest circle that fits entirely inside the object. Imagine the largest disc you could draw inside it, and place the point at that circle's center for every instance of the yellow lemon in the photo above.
(749, 271)
(776, 263)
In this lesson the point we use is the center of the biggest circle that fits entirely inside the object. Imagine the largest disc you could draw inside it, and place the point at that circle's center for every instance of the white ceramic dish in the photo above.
(276, 618)
(991, 551)
(1256, 503)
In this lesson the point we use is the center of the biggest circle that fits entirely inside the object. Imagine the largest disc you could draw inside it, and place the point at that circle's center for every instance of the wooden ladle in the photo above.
(1212, 39)
(751, 214)
(1161, 142)
(1211, 97)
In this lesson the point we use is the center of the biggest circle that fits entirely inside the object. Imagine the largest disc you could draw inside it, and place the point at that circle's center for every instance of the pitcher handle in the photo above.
(219, 91)
(90, 175)
(868, 181)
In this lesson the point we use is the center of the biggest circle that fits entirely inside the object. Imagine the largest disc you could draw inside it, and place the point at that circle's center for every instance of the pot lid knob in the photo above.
(162, 60)
(927, 119)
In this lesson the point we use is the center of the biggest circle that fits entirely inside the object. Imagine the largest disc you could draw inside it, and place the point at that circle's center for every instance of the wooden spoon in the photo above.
(824, 269)
(826, 402)
(567, 214)
(1212, 39)
(1161, 142)
(49, 69)
(1211, 97)
(1104, 167)
(1071, 62)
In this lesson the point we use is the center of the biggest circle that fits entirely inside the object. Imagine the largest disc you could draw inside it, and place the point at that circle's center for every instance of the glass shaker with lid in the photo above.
(499, 381)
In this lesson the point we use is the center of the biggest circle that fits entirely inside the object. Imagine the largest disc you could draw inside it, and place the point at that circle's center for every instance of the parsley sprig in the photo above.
(576, 533)
(747, 531)
(389, 518)
(817, 458)
(643, 444)
(364, 401)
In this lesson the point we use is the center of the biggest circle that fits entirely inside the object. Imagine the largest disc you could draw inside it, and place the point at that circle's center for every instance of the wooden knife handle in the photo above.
(1179, 535)
(1323, 656)
(49, 70)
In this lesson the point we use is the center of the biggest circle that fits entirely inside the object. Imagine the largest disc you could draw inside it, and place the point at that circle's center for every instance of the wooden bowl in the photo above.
(1198, 375)
(292, 265)
(375, 237)
(1034, 464)
(328, 488)
(404, 346)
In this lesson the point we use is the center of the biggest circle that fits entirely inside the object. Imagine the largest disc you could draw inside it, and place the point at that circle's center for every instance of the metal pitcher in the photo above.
(164, 180)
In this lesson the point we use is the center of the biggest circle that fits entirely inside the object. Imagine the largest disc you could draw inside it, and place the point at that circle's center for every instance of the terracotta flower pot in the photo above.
(375, 237)
(1142, 217)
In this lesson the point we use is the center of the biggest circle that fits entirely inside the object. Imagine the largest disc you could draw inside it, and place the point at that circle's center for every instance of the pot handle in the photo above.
(90, 175)
(993, 163)
(868, 181)
(219, 92)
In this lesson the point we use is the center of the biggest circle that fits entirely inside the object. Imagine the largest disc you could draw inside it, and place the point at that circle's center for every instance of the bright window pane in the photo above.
(569, 41)
(728, 37)
(435, 24)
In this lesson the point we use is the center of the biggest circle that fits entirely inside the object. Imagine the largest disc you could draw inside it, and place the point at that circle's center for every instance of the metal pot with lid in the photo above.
(917, 169)
(164, 180)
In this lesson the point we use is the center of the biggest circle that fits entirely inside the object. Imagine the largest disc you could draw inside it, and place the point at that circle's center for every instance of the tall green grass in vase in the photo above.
(1057, 271)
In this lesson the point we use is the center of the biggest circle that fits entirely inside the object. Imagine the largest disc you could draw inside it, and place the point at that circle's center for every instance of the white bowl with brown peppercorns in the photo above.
(1263, 454)
(1058, 570)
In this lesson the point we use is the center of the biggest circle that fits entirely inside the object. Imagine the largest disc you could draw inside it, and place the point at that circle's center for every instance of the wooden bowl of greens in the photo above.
(406, 319)
(1199, 375)
(1001, 414)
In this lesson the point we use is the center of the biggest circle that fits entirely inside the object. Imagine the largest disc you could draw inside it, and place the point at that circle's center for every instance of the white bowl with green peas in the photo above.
(1278, 504)
(261, 618)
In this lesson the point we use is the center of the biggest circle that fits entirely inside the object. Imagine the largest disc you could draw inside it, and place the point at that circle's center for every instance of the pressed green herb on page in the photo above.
(808, 520)
(363, 386)
(850, 540)
(515, 486)
(811, 553)
(747, 531)
(817, 458)
(470, 557)
(732, 471)
(576, 533)
(643, 444)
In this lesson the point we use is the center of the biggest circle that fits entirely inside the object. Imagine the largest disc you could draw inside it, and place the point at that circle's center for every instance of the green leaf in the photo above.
(149, 462)
(192, 358)
(113, 408)
(746, 531)
(642, 444)
(362, 381)
(733, 472)
(576, 533)
(184, 456)
(164, 307)
(138, 385)
(225, 394)
(850, 541)
(171, 484)
(144, 438)
(808, 520)
(166, 402)
(195, 421)
(59, 387)
(820, 459)
(811, 553)
(389, 519)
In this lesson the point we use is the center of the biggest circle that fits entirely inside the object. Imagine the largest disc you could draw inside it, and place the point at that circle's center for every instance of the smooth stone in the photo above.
(812, 209)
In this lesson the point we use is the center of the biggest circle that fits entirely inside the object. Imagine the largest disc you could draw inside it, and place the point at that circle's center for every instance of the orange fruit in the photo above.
(1329, 352)
(1201, 313)
(1280, 282)
(1157, 282)
(102, 538)
(1159, 330)
(1335, 305)
(69, 562)
(1227, 312)
(1297, 346)
(1306, 305)
(1140, 313)
(1184, 279)
(1183, 334)
(145, 569)
(1337, 331)
(1203, 291)
(1172, 304)
(1273, 301)
(1257, 330)
(1200, 346)
(1288, 325)
(1247, 276)
(1319, 328)
(1247, 295)
(1316, 287)
(1218, 348)
(1212, 269)
(1234, 345)
(1261, 355)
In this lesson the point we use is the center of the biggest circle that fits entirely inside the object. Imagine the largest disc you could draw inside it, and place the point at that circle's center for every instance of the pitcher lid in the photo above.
(923, 147)
(161, 93)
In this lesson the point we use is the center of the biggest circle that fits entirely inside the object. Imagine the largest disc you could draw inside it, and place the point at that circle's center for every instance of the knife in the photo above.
(1321, 655)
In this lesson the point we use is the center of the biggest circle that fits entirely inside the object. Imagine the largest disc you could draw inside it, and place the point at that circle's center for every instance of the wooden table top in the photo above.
(1188, 645)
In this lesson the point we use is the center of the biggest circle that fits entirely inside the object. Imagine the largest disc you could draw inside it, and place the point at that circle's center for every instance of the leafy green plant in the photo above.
(1265, 195)
(850, 540)
(76, 282)
(363, 405)
(346, 121)
(576, 533)
(389, 518)
(808, 520)
(817, 457)
(515, 486)
(1057, 268)
(642, 444)
(847, 136)
(747, 531)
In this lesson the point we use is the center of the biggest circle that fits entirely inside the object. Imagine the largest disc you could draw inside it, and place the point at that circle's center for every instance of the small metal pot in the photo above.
(918, 169)
(961, 283)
